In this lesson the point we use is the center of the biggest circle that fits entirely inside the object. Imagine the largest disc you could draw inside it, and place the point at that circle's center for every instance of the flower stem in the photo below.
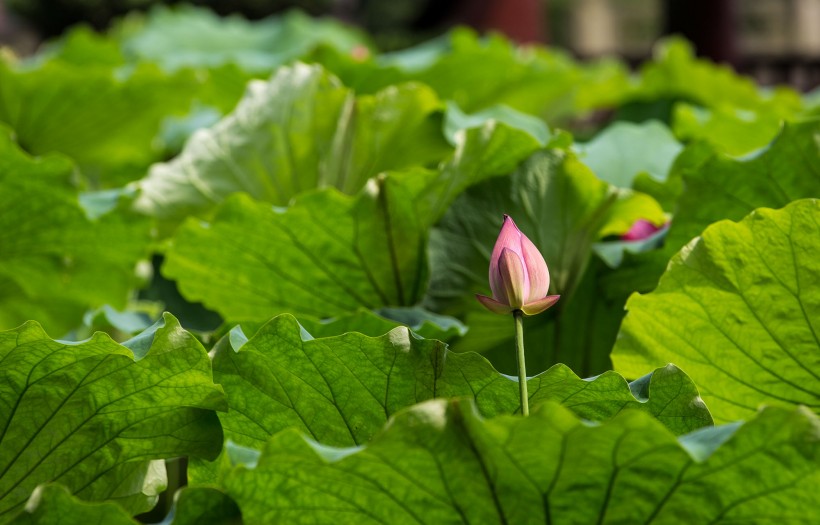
(522, 368)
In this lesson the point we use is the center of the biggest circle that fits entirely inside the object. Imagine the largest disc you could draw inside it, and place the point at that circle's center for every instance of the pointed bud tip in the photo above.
(509, 220)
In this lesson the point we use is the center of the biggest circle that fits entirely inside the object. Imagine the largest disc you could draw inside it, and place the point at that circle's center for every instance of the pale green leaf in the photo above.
(298, 131)
(455, 119)
(188, 36)
(624, 150)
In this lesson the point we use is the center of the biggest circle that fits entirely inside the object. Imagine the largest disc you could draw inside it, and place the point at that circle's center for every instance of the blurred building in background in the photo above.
(775, 41)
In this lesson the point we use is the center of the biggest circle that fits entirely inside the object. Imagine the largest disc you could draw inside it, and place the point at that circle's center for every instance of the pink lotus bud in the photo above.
(519, 278)
(640, 230)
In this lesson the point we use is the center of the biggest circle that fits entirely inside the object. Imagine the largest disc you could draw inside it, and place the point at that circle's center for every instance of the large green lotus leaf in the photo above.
(737, 308)
(93, 415)
(732, 131)
(53, 504)
(56, 262)
(676, 73)
(341, 390)
(188, 36)
(624, 150)
(300, 130)
(329, 253)
(722, 187)
(105, 123)
(555, 200)
(440, 462)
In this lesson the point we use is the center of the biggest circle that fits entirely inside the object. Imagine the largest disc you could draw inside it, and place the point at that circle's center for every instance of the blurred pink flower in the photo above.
(519, 277)
(640, 230)
(360, 53)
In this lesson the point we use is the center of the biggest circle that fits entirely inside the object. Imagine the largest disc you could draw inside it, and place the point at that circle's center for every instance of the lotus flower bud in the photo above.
(519, 278)
(640, 230)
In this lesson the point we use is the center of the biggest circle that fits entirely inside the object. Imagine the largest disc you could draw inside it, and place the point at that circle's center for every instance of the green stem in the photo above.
(518, 315)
